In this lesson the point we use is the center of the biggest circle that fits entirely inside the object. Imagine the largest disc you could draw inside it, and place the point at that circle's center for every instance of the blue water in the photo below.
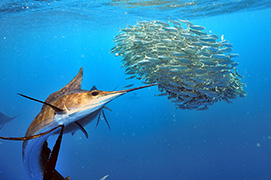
(149, 139)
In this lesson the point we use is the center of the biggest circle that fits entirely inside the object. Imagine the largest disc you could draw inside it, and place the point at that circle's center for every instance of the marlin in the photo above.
(5, 119)
(65, 111)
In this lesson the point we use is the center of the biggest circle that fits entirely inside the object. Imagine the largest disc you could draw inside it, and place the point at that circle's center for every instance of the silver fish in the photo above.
(191, 66)
(219, 56)
(197, 27)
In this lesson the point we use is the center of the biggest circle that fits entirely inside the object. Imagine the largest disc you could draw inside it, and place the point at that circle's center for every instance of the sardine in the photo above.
(197, 27)
(191, 66)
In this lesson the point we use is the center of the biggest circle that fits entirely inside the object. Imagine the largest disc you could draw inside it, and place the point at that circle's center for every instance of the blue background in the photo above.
(149, 138)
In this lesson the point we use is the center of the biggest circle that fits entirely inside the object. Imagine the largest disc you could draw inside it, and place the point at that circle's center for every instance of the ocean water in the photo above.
(43, 44)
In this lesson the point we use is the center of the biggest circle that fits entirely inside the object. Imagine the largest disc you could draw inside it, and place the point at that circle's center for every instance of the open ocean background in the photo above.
(43, 44)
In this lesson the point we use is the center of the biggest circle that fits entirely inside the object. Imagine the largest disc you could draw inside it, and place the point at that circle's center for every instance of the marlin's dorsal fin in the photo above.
(74, 84)
(56, 109)
(82, 128)
(93, 88)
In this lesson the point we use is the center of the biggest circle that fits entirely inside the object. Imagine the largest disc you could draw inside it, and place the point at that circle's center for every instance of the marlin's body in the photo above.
(44, 121)
(70, 106)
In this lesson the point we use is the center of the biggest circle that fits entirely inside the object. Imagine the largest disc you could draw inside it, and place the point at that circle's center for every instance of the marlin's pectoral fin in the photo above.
(29, 137)
(56, 109)
(51, 164)
(82, 128)
(1, 126)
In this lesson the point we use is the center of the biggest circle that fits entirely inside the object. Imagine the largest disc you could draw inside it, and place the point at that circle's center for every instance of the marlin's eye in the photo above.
(95, 93)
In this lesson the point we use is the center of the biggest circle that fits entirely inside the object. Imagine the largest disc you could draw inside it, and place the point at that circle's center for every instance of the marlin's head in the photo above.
(81, 104)
(90, 101)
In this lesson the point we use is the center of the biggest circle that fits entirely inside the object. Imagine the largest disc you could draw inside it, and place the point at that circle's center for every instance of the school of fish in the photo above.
(193, 68)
